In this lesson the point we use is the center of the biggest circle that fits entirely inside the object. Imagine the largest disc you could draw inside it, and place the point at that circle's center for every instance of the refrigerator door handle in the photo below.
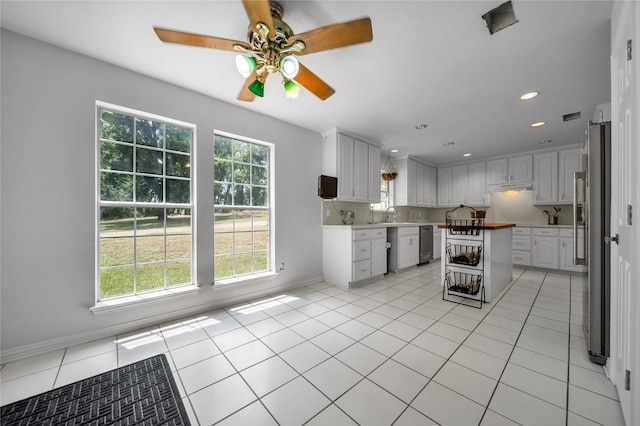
(577, 260)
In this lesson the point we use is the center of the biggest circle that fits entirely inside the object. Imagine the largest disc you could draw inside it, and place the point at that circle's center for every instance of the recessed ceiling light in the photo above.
(529, 95)
(467, 154)
(421, 126)
(448, 143)
(545, 141)
(394, 150)
(538, 124)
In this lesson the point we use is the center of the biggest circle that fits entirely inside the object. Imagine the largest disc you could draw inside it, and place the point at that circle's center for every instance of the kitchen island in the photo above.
(495, 267)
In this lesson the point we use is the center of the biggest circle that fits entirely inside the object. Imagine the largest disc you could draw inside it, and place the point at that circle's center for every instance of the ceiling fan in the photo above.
(272, 47)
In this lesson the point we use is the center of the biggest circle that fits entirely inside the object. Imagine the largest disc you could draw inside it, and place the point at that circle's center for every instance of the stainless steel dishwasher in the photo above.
(426, 243)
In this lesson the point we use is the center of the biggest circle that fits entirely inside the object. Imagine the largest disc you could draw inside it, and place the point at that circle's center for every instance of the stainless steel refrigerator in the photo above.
(592, 215)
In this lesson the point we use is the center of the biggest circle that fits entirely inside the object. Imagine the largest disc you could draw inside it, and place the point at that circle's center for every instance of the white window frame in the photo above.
(135, 299)
(270, 209)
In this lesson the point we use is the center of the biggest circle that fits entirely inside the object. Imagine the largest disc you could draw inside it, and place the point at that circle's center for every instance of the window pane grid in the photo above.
(145, 205)
(241, 213)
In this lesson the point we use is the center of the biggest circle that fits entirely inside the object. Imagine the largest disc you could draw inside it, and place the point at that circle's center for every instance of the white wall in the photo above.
(48, 202)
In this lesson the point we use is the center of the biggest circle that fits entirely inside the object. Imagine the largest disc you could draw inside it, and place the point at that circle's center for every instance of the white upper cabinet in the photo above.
(346, 163)
(420, 184)
(459, 184)
(415, 184)
(545, 184)
(510, 170)
(444, 186)
(570, 161)
(462, 184)
(405, 185)
(361, 170)
(521, 169)
(355, 163)
(374, 174)
(497, 171)
(477, 187)
(433, 187)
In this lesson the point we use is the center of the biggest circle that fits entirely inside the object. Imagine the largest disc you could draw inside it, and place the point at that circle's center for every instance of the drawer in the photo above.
(521, 257)
(361, 270)
(379, 233)
(521, 243)
(546, 232)
(568, 232)
(361, 234)
(361, 250)
(408, 230)
(521, 231)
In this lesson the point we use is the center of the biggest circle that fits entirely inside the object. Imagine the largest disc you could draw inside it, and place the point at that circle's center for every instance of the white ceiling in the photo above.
(431, 62)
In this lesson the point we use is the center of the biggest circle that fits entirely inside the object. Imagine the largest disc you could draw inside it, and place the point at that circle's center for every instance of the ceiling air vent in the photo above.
(500, 17)
(572, 116)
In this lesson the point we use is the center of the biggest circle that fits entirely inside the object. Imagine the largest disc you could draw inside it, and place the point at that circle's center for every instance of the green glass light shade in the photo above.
(257, 88)
(245, 65)
(291, 89)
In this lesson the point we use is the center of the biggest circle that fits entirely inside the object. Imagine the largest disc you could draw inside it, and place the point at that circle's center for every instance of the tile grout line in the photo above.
(486, 408)
(504, 293)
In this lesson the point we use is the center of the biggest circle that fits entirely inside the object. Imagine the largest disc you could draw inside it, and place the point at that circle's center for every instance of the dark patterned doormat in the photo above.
(142, 393)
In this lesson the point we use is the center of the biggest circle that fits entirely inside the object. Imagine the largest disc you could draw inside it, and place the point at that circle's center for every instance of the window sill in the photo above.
(244, 279)
(133, 302)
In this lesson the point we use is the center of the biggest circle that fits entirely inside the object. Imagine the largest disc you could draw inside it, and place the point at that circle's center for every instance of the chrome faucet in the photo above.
(395, 213)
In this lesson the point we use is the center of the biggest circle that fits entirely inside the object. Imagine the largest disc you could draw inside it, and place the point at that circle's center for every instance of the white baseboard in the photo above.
(39, 348)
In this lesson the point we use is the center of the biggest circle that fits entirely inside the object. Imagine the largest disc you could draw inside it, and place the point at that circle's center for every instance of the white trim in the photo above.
(244, 278)
(117, 304)
(39, 348)
(132, 302)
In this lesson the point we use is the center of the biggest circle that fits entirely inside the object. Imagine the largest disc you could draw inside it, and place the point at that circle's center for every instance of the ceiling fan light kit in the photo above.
(272, 48)
(257, 88)
(291, 89)
(245, 65)
(289, 66)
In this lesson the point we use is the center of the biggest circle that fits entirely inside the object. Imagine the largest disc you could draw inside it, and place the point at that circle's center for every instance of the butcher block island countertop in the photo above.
(487, 226)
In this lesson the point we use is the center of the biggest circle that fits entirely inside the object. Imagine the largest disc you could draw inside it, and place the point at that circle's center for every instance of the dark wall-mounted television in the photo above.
(327, 186)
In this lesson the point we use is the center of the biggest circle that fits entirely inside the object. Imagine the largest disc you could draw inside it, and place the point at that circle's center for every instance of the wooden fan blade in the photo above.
(189, 39)
(259, 11)
(247, 95)
(334, 36)
(313, 83)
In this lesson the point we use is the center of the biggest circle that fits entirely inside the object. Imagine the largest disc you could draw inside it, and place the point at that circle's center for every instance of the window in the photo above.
(144, 202)
(242, 210)
(385, 194)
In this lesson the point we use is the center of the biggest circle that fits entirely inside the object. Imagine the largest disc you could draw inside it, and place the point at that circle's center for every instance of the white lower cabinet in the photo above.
(437, 243)
(350, 256)
(379, 255)
(408, 250)
(405, 247)
(544, 252)
(546, 247)
(567, 252)
(521, 246)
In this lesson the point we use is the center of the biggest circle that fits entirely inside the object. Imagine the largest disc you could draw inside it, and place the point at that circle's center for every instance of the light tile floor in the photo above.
(390, 352)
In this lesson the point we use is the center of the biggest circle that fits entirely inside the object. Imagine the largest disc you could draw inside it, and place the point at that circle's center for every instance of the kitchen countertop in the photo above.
(441, 225)
(488, 226)
(381, 225)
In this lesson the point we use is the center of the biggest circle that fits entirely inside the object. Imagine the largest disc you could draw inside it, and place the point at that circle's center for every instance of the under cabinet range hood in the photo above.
(504, 187)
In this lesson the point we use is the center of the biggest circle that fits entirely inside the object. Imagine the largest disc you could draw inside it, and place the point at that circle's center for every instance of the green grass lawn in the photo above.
(119, 251)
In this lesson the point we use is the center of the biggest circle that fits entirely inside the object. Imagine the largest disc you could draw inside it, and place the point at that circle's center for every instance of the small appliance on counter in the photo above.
(347, 217)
